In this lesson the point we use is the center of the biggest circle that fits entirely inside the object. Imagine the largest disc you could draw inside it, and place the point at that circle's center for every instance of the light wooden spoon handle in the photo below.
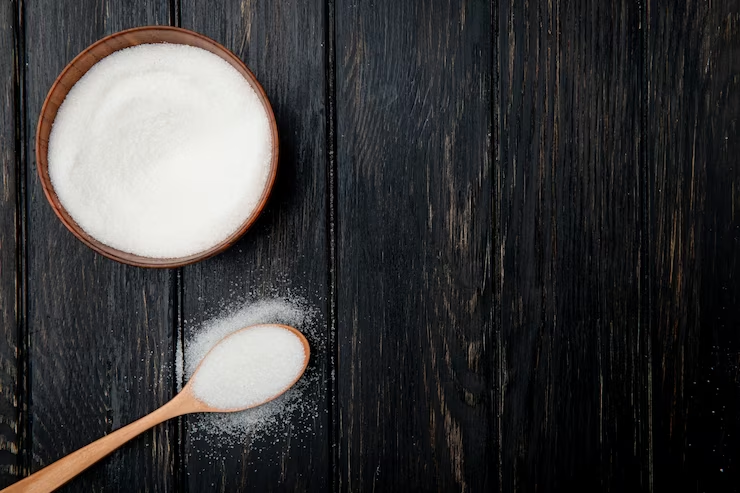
(55, 475)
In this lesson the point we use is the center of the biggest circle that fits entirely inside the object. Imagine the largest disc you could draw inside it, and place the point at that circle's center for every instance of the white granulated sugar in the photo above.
(249, 368)
(295, 413)
(161, 150)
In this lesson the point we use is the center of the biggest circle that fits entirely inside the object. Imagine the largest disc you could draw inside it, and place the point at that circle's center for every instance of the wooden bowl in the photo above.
(77, 68)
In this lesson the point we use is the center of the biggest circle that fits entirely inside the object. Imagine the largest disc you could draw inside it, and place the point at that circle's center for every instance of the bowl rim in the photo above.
(42, 165)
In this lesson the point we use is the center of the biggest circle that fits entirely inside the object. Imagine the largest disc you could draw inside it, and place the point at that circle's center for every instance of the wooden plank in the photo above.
(286, 250)
(101, 333)
(570, 251)
(416, 365)
(10, 275)
(693, 63)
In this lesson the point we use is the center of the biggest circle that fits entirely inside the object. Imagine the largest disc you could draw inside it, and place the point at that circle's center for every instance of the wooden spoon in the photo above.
(55, 475)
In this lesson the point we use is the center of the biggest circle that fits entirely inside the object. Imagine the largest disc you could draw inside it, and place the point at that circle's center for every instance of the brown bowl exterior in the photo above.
(74, 72)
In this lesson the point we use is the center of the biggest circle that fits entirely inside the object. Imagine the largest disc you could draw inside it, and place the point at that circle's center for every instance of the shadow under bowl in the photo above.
(74, 72)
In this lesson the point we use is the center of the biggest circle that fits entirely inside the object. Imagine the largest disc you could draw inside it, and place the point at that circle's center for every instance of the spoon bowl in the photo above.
(185, 402)
(202, 407)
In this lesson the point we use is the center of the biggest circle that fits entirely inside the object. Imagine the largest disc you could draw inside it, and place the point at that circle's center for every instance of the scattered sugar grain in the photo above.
(296, 412)
(161, 150)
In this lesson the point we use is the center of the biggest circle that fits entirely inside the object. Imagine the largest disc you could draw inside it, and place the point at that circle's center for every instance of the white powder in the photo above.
(294, 415)
(161, 150)
(249, 367)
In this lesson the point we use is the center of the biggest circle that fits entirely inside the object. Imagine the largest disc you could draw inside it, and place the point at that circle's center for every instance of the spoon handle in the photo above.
(56, 474)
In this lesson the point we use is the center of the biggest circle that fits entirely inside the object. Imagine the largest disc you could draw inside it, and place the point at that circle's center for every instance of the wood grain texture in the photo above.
(10, 341)
(415, 369)
(693, 70)
(537, 251)
(570, 249)
(285, 252)
(100, 332)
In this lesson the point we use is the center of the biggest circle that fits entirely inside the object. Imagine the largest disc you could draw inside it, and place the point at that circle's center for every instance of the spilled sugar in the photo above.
(295, 412)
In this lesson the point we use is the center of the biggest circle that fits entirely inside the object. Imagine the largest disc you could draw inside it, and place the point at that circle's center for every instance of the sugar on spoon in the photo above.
(245, 369)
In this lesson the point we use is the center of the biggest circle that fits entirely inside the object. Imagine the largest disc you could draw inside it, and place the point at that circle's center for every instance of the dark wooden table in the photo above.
(519, 220)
